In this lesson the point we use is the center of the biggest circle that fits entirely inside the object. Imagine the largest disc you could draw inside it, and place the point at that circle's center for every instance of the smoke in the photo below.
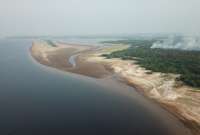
(179, 42)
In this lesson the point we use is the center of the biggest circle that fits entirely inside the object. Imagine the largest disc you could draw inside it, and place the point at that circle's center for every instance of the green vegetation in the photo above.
(185, 63)
(51, 43)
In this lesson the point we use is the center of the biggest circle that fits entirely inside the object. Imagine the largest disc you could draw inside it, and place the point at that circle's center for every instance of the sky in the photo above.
(96, 17)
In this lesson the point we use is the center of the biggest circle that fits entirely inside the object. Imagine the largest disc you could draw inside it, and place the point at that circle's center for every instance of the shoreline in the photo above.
(180, 100)
(90, 63)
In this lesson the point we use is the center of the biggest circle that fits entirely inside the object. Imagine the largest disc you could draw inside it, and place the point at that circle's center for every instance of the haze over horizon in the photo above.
(93, 17)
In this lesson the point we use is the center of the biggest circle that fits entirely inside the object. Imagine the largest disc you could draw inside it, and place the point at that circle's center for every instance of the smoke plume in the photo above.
(179, 42)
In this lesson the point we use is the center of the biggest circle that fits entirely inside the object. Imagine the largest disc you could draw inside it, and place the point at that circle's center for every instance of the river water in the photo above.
(37, 100)
(72, 60)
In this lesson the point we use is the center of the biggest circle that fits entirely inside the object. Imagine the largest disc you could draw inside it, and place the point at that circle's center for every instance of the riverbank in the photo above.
(180, 100)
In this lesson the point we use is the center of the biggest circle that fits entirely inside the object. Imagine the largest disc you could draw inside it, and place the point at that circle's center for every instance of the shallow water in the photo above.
(35, 100)
(72, 60)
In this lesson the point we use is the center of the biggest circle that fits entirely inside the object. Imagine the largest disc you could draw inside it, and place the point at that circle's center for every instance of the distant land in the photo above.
(124, 36)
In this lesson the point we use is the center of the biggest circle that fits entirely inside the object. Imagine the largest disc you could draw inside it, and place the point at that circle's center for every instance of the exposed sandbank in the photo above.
(58, 57)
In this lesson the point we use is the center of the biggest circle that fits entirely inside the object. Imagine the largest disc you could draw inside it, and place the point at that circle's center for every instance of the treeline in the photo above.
(185, 63)
(51, 43)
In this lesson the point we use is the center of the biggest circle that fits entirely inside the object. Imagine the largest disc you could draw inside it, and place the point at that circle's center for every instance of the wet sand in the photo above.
(59, 58)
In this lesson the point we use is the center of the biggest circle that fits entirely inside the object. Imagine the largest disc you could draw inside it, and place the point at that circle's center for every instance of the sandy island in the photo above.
(180, 100)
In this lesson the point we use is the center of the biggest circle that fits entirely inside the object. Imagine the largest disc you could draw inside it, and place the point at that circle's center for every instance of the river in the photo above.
(38, 100)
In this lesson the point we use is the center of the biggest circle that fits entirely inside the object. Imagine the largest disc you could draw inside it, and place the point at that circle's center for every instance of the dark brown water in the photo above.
(39, 101)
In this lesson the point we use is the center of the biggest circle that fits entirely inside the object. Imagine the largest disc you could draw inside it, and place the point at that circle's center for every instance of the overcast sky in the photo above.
(82, 17)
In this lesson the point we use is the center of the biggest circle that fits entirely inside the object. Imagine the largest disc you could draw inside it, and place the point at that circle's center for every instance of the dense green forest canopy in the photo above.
(185, 63)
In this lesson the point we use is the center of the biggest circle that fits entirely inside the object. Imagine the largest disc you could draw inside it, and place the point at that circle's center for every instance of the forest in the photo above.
(182, 62)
